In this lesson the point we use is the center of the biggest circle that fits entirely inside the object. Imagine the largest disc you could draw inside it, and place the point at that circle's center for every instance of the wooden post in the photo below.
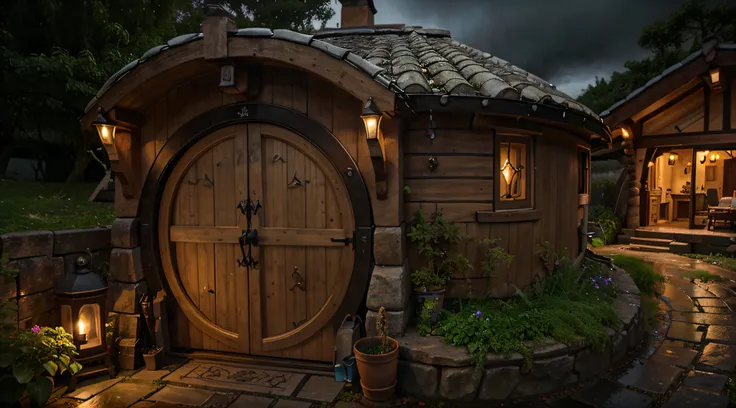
(691, 223)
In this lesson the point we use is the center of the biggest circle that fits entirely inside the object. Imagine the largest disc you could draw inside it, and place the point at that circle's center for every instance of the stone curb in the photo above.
(555, 366)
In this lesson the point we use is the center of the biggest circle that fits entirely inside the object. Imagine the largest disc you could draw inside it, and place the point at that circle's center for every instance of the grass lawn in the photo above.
(28, 206)
(641, 272)
(704, 276)
(716, 259)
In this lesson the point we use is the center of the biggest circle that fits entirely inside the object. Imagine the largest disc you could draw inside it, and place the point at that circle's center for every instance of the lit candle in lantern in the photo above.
(81, 332)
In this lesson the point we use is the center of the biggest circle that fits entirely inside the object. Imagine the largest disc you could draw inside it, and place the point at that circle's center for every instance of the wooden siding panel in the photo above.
(448, 166)
(449, 142)
(678, 115)
(451, 190)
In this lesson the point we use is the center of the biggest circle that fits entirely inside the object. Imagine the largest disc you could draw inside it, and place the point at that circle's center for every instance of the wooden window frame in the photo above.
(516, 205)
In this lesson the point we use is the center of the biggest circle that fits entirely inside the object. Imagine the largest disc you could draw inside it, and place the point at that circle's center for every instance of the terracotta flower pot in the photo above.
(153, 359)
(377, 371)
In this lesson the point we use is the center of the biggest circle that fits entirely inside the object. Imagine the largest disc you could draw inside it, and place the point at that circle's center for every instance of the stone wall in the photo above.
(42, 259)
(390, 285)
(428, 368)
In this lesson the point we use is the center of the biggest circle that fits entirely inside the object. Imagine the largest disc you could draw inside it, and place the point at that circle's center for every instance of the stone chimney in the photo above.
(357, 13)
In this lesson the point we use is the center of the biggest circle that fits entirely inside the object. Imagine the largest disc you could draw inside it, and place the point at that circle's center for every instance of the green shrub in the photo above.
(568, 304)
(597, 242)
(641, 272)
(704, 276)
(607, 220)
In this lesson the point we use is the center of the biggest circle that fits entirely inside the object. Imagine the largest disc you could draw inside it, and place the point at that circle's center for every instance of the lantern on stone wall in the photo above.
(81, 297)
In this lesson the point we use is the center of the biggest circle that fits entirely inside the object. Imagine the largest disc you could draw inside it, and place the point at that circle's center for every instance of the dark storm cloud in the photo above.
(567, 42)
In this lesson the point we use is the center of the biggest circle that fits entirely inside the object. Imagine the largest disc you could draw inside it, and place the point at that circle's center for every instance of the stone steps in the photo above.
(648, 248)
(661, 242)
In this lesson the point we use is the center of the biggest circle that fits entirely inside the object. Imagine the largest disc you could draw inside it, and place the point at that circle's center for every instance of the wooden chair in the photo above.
(725, 211)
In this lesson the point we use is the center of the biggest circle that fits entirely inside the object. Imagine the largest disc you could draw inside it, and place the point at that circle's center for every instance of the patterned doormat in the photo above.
(236, 377)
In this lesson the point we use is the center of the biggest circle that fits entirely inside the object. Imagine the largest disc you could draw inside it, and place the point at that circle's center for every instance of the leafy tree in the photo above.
(56, 54)
(669, 41)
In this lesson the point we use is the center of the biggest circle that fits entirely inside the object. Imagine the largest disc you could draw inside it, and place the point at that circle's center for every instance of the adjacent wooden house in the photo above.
(678, 135)
(261, 174)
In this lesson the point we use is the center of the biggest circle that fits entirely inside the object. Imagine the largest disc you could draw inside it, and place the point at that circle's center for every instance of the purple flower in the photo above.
(35, 329)
(478, 313)
(596, 286)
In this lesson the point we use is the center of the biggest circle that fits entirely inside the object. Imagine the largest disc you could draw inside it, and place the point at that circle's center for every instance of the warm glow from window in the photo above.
(513, 157)
(715, 76)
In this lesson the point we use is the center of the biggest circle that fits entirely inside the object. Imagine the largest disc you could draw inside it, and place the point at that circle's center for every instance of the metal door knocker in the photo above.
(298, 278)
(250, 234)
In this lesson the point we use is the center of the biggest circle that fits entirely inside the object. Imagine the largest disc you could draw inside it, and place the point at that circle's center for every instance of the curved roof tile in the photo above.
(413, 59)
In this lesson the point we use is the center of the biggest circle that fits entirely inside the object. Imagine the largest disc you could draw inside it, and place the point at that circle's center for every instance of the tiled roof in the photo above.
(407, 59)
(666, 72)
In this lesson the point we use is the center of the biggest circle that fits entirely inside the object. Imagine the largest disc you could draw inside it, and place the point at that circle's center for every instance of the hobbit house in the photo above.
(256, 196)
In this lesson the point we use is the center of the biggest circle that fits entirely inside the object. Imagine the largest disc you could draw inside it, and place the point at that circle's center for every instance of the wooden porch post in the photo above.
(694, 161)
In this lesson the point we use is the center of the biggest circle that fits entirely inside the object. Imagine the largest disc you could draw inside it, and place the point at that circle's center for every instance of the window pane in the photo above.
(513, 171)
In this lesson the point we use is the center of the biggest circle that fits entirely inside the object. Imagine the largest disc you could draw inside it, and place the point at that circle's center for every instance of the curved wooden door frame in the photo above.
(311, 130)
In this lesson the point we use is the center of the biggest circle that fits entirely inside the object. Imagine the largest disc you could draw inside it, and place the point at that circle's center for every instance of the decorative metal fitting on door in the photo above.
(299, 280)
(250, 235)
(433, 163)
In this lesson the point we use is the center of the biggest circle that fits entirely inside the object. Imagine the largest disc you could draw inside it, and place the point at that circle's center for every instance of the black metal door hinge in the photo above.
(347, 241)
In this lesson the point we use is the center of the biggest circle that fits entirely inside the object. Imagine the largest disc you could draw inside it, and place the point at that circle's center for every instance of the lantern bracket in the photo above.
(122, 150)
(378, 160)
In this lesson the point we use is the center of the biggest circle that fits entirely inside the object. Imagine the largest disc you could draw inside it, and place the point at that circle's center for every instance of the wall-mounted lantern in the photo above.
(106, 129)
(672, 158)
(714, 157)
(625, 133)
(715, 80)
(372, 116)
(704, 157)
(81, 297)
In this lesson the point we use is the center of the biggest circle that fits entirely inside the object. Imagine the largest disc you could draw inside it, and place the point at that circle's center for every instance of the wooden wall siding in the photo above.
(463, 184)
(716, 111)
(681, 112)
(337, 110)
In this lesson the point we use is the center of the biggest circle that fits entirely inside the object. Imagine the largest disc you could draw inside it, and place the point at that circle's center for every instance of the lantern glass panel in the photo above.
(513, 165)
(89, 324)
(66, 318)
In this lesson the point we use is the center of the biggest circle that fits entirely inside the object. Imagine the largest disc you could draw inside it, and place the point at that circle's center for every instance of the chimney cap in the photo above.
(350, 3)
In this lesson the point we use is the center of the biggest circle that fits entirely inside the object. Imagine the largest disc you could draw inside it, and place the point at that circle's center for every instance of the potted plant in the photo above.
(436, 241)
(377, 358)
(30, 359)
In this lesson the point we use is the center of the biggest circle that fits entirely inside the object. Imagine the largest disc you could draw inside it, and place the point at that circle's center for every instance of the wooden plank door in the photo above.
(303, 268)
(199, 224)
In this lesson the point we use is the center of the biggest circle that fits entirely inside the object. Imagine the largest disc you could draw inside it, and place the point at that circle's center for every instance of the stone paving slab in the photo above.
(704, 318)
(717, 357)
(651, 376)
(319, 388)
(712, 303)
(685, 332)
(236, 377)
(284, 403)
(147, 375)
(716, 310)
(93, 389)
(674, 353)
(687, 397)
(182, 395)
(721, 334)
(705, 381)
(608, 394)
(219, 401)
(120, 395)
(251, 401)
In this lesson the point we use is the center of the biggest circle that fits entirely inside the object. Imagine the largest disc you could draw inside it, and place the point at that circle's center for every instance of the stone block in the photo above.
(48, 318)
(619, 347)
(530, 386)
(546, 348)
(459, 383)
(499, 383)
(417, 380)
(397, 321)
(38, 274)
(27, 244)
(35, 304)
(125, 265)
(390, 287)
(125, 233)
(81, 240)
(129, 356)
(125, 297)
(129, 326)
(590, 362)
(389, 246)
(555, 367)
(8, 289)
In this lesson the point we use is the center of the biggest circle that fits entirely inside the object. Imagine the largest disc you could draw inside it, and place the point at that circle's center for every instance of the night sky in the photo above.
(567, 42)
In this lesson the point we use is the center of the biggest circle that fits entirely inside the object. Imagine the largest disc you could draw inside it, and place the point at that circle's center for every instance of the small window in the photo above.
(514, 172)
(583, 171)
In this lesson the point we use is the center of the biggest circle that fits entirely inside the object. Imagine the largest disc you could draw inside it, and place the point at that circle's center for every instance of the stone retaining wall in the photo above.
(428, 368)
(42, 259)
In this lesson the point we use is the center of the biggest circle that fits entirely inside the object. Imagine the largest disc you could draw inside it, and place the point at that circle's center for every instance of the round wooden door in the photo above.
(252, 229)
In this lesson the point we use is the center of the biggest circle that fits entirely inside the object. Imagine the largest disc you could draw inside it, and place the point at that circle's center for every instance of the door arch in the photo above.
(320, 148)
